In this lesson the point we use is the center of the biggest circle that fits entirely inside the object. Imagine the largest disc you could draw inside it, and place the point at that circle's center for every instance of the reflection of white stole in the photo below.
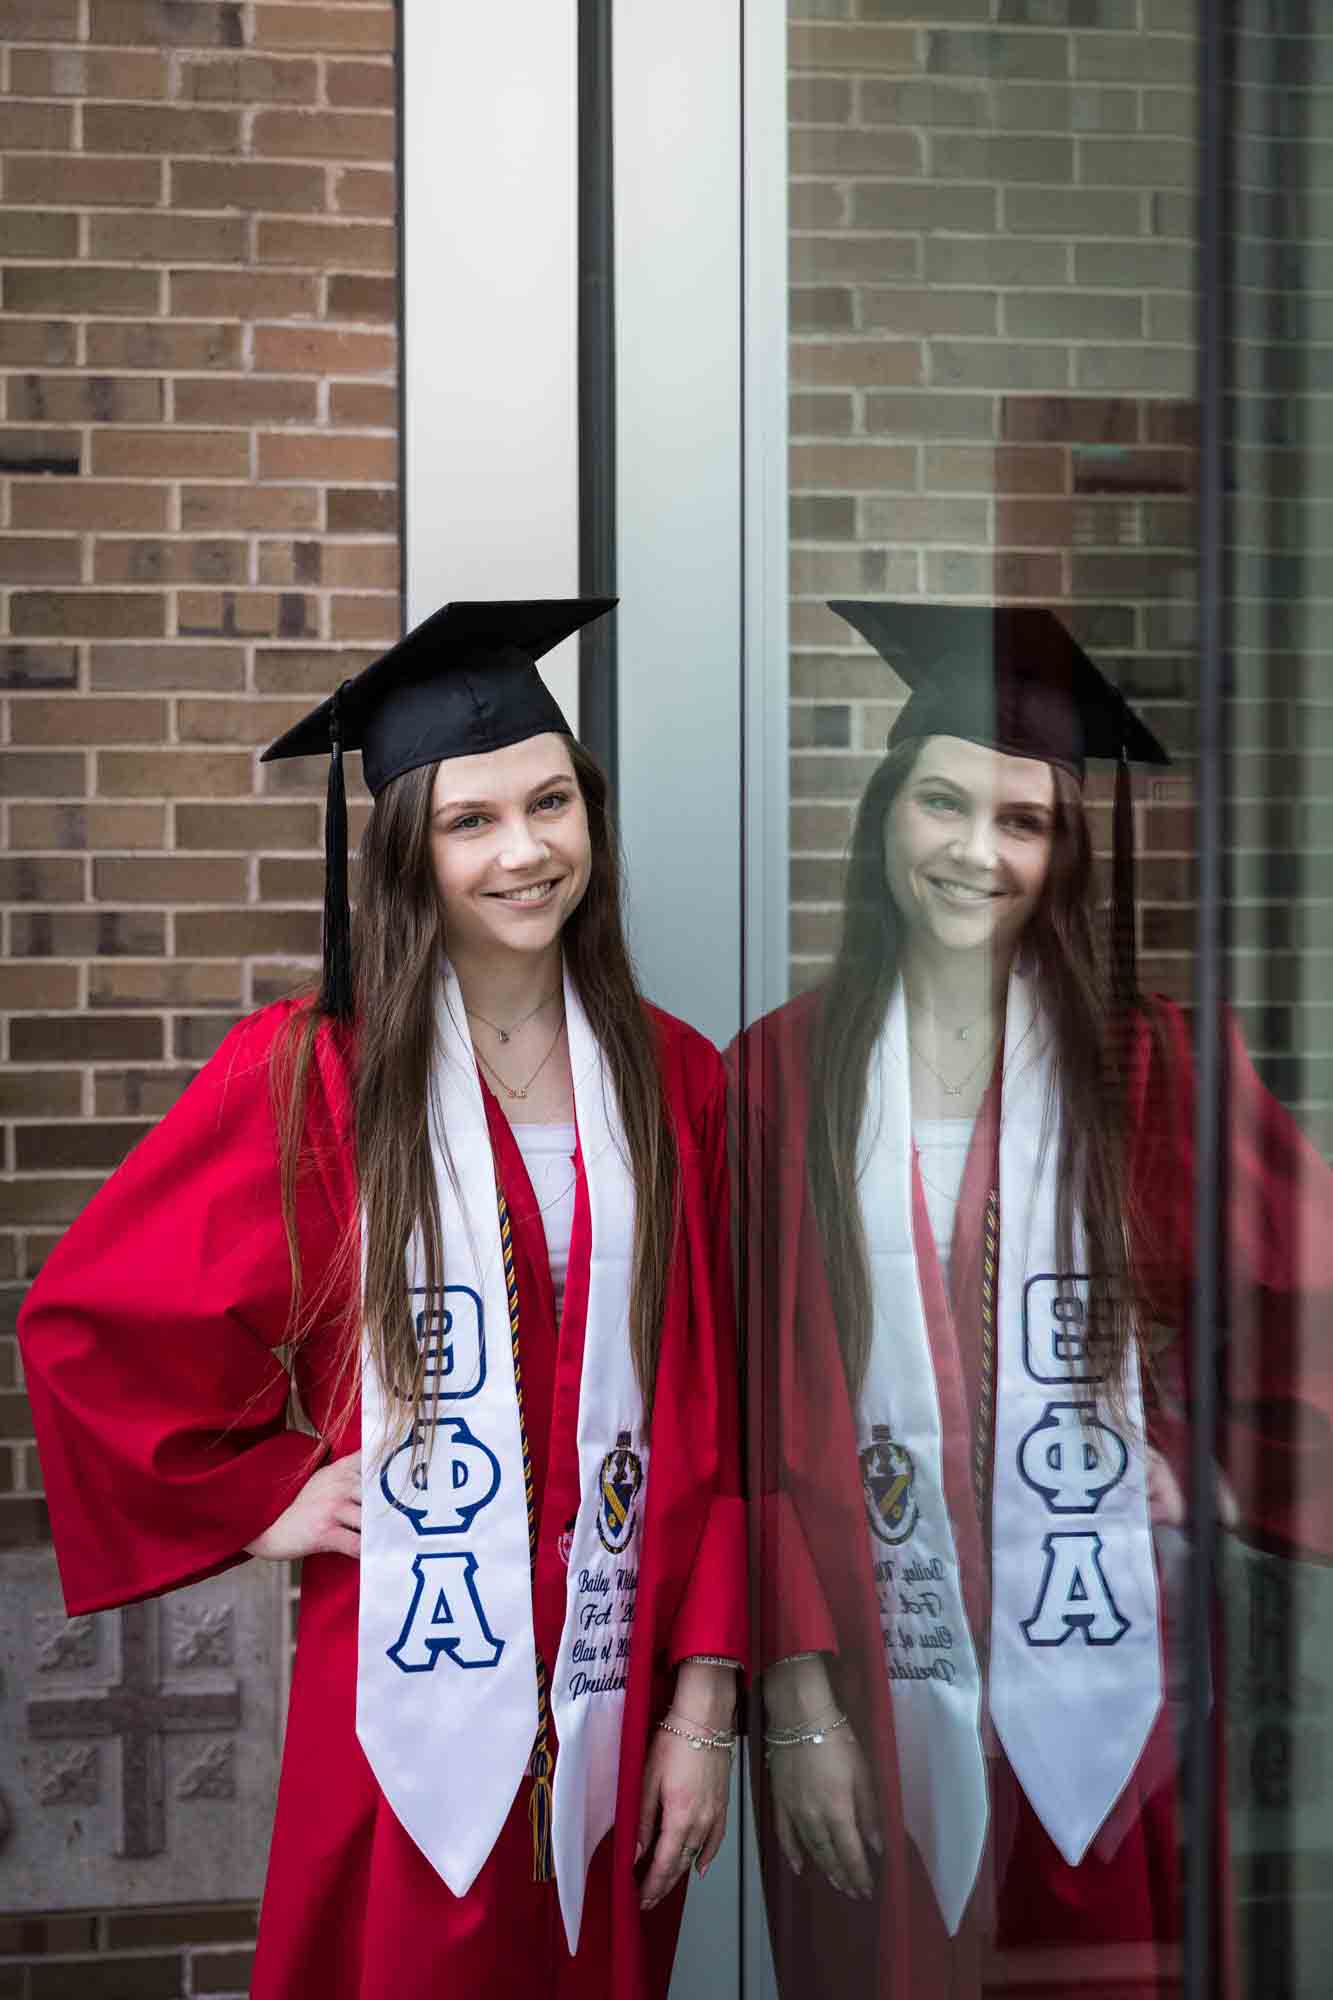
(446, 1663)
(1075, 1669)
(1076, 1657)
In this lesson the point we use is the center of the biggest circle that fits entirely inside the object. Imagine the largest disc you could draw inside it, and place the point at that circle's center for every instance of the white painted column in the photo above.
(491, 319)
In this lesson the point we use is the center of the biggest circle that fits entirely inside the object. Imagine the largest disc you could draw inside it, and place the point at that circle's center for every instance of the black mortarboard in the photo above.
(1013, 677)
(1010, 676)
(463, 681)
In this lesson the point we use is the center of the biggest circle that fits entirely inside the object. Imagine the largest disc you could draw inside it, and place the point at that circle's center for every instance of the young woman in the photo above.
(971, 1153)
(480, 1189)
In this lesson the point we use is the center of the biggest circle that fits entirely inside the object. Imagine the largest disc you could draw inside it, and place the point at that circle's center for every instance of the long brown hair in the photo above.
(1066, 955)
(398, 940)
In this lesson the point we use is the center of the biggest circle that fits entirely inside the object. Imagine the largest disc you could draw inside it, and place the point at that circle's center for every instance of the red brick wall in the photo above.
(198, 537)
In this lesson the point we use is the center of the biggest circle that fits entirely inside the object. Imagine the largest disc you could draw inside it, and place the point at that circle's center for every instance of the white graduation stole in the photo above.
(1076, 1659)
(446, 1706)
(929, 1655)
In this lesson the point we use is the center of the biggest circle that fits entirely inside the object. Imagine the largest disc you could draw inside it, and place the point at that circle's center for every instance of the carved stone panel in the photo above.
(138, 1748)
(1279, 1701)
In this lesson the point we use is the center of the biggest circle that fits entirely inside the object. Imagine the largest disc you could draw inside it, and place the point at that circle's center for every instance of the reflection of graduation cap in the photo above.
(1012, 677)
(463, 681)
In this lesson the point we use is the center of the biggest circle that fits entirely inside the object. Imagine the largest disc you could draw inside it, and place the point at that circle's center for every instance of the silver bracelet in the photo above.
(710, 1660)
(784, 1739)
(700, 1739)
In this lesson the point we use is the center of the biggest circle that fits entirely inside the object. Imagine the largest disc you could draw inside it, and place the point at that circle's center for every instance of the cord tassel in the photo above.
(539, 1816)
(335, 995)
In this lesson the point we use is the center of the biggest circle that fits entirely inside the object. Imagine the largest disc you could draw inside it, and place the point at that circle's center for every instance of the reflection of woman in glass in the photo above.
(482, 1185)
(971, 1155)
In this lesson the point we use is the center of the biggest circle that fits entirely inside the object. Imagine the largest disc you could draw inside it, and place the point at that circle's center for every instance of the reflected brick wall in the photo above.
(992, 326)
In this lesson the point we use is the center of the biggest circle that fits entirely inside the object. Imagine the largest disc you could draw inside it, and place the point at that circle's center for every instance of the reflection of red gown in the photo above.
(1035, 1924)
(160, 1413)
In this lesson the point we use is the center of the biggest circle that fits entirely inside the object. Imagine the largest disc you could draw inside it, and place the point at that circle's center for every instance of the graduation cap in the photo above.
(462, 682)
(1014, 678)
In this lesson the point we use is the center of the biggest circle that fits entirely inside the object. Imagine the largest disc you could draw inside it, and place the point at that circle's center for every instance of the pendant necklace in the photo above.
(520, 1091)
(964, 1033)
(955, 1089)
(522, 1022)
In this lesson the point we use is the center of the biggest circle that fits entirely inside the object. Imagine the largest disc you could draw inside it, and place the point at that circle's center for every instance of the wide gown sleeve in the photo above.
(1278, 1360)
(793, 1615)
(160, 1407)
(1275, 1348)
(713, 1614)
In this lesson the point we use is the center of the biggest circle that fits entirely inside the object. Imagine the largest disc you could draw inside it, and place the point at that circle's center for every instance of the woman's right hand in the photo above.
(323, 1519)
(824, 1806)
(823, 1794)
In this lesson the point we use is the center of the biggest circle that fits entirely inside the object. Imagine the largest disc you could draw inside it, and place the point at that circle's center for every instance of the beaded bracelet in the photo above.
(710, 1660)
(700, 1739)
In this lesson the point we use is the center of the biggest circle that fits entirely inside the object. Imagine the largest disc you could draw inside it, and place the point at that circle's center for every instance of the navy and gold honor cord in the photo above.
(539, 1764)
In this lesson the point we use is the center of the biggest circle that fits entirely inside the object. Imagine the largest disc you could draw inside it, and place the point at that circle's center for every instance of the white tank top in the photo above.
(548, 1155)
(941, 1146)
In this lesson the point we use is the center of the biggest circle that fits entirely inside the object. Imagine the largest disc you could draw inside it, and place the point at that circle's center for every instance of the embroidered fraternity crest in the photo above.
(888, 1479)
(565, 1541)
(619, 1484)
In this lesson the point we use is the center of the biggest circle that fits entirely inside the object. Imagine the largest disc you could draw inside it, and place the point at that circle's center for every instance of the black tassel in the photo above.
(335, 993)
(1124, 948)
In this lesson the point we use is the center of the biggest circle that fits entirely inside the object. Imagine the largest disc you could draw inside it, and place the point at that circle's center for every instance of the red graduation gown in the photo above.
(161, 1416)
(1036, 1925)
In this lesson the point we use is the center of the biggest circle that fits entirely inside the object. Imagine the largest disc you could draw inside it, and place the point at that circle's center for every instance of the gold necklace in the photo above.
(504, 1033)
(955, 1089)
(523, 1089)
(962, 1034)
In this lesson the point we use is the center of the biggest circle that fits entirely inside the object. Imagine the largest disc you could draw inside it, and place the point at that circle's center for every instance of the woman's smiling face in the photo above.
(509, 846)
(967, 844)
